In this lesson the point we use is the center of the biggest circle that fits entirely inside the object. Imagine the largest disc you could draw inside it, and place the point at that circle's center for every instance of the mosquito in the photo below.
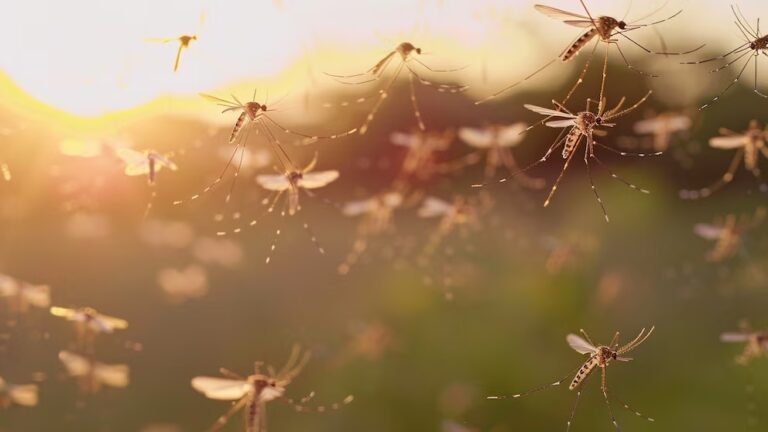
(89, 323)
(728, 234)
(755, 343)
(497, 141)
(748, 145)
(251, 394)
(754, 45)
(459, 214)
(662, 128)
(93, 375)
(583, 127)
(604, 29)
(22, 295)
(600, 356)
(377, 215)
(147, 163)
(183, 41)
(407, 54)
(18, 394)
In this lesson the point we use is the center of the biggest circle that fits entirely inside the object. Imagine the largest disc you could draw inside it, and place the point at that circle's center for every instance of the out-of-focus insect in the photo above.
(728, 234)
(406, 52)
(6, 171)
(19, 394)
(754, 44)
(600, 356)
(567, 251)
(147, 163)
(21, 295)
(250, 394)
(224, 252)
(92, 375)
(179, 285)
(602, 28)
(749, 145)
(755, 343)
(662, 128)
(497, 141)
(583, 127)
(377, 215)
(460, 214)
(89, 323)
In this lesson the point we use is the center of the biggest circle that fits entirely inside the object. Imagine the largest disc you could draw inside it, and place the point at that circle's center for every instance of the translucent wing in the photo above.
(271, 393)
(734, 337)
(63, 312)
(433, 207)
(220, 388)
(74, 364)
(164, 161)
(24, 395)
(511, 135)
(728, 142)
(579, 23)
(218, 100)
(356, 208)
(403, 139)
(580, 345)
(113, 323)
(136, 163)
(558, 14)
(548, 112)
(37, 295)
(314, 180)
(112, 375)
(707, 231)
(273, 182)
(560, 123)
(479, 138)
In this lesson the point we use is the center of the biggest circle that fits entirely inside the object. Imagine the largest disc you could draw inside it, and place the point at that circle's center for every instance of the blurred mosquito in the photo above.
(662, 128)
(600, 356)
(148, 163)
(755, 343)
(754, 45)
(21, 295)
(18, 394)
(605, 29)
(250, 394)
(377, 215)
(497, 141)
(406, 52)
(728, 234)
(89, 323)
(583, 127)
(183, 41)
(459, 214)
(749, 145)
(93, 375)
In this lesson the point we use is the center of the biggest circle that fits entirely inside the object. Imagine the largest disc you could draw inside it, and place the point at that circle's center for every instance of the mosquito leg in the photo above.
(605, 76)
(724, 180)
(275, 239)
(583, 73)
(239, 167)
(608, 402)
(150, 202)
(615, 341)
(383, 95)
(632, 410)
(758, 92)
(573, 411)
(311, 137)
(443, 88)
(313, 238)
(738, 49)
(524, 179)
(594, 191)
(559, 178)
(320, 408)
(510, 87)
(616, 177)
(537, 389)
(437, 70)
(415, 104)
(629, 65)
(738, 77)
(725, 66)
(622, 153)
(221, 421)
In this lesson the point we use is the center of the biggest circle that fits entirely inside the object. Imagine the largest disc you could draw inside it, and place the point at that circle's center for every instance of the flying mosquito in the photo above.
(147, 163)
(755, 343)
(93, 375)
(18, 394)
(599, 357)
(183, 41)
(21, 295)
(460, 214)
(250, 394)
(89, 323)
(662, 128)
(748, 145)
(604, 29)
(728, 234)
(583, 127)
(754, 45)
(497, 141)
(406, 52)
(377, 214)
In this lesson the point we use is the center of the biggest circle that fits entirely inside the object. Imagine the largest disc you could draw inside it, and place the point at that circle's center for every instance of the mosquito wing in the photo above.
(579, 23)
(273, 182)
(559, 14)
(112, 375)
(356, 208)
(165, 161)
(404, 139)
(136, 162)
(708, 231)
(579, 344)
(24, 395)
(64, 312)
(478, 138)
(314, 180)
(561, 123)
(74, 364)
(548, 112)
(112, 322)
(727, 142)
(734, 337)
(37, 295)
(511, 135)
(218, 100)
(433, 207)
(220, 388)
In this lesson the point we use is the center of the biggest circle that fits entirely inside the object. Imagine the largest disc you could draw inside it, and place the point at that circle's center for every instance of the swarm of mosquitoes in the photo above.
(583, 130)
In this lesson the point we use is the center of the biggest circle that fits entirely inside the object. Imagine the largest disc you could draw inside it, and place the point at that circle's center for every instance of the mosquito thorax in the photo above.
(253, 109)
(760, 43)
(295, 176)
(607, 353)
(406, 48)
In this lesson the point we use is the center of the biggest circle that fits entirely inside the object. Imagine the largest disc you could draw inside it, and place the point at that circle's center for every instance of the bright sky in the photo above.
(92, 57)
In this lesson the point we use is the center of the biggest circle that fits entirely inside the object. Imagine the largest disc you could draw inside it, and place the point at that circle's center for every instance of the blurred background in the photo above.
(420, 341)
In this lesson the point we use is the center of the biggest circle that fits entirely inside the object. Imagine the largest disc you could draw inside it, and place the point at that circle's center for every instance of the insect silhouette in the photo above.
(497, 142)
(755, 343)
(407, 54)
(89, 323)
(603, 29)
(251, 394)
(583, 127)
(459, 214)
(22, 295)
(599, 358)
(183, 41)
(749, 145)
(728, 234)
(147, 163)
(662, 128)
(93, 375)
(754, 45)
(18, 394)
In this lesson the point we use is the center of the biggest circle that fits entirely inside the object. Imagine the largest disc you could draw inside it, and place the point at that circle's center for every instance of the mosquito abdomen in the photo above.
(578, 45)
(571, 141)
(238, 125)
(583, 372)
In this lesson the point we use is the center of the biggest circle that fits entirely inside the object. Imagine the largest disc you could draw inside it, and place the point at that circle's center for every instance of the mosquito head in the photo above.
(254, 108)
(406, 48)
(295, 176)
(622, 25)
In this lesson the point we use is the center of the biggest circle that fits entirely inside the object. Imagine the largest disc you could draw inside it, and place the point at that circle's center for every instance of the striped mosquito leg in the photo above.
(724, 180)
(629, 154)
(313, 238)
(537, 389)
(602, 82)
(604, 387)
(739, 49)
(150, 202)
(583, 73)
(573, 411)
(443, 88)
(382, 95)
(522, 178)
(511, 86)
(616, 177)
(559, 178)
(320, 408)
(632, 410)
(592, 184)
(415, 103)
(758, 92)
(221, 421)
(273, 245)
(735, 80)
(358, 248)
(629, 65)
